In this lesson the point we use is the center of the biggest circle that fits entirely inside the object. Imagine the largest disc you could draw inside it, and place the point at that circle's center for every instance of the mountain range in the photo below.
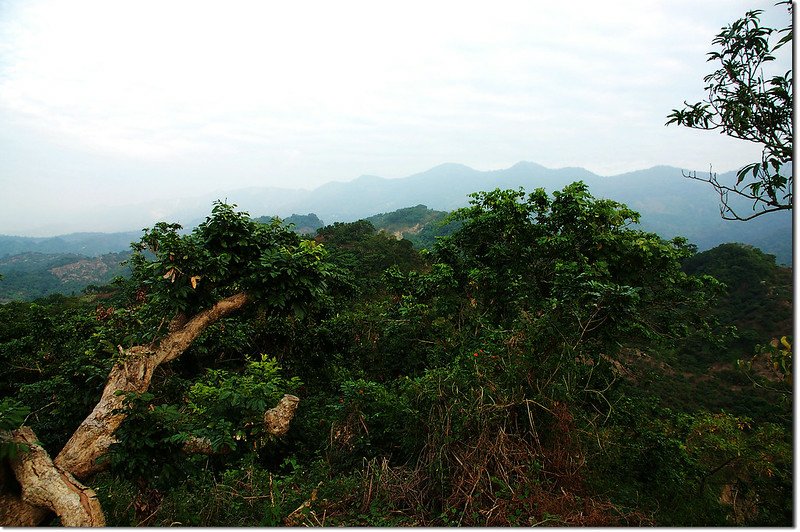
(669, 204)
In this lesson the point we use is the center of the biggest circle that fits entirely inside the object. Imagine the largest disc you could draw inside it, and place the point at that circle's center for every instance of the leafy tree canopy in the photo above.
(226, 254)
(575, 256)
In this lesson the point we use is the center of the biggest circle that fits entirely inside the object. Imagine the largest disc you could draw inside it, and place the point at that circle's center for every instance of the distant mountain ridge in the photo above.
(669, 204)
(89, 244)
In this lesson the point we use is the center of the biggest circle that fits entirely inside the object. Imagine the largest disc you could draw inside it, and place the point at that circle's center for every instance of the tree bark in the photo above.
(46, 485)
(14, 512)
(276, 420)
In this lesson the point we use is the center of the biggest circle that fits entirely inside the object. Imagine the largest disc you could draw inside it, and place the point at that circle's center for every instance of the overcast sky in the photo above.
(119, 102)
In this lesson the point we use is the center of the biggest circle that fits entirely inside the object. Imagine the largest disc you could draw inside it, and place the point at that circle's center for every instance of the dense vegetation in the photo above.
(545, 362)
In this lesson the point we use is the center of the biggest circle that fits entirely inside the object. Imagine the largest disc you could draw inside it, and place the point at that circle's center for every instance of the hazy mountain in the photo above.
(89, 244)
(672, 205)
(444, 187)
(669, 204)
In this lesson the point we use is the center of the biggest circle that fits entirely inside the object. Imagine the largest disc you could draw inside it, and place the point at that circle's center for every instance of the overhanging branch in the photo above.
(727, 212)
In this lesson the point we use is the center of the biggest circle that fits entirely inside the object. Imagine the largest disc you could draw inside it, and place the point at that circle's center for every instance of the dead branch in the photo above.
(277, 419)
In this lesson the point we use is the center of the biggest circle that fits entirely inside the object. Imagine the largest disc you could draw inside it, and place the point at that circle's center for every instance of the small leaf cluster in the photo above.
(12, 416)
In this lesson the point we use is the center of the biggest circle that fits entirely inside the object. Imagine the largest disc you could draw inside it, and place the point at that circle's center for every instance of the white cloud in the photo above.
(298, 93)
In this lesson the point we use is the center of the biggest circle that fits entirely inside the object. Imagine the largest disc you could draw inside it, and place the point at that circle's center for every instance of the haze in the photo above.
(122, 102)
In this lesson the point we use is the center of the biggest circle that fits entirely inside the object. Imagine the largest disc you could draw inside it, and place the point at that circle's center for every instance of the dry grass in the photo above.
(498, 477)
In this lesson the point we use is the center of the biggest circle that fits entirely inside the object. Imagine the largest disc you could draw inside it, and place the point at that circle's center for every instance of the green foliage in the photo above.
(299, 223)
(370, 420)
(223, 408)
(575, 260)
(146, 450)
(54, 357)
(776, 356)
(758, 299)
(366, 253)
(701, 373)
(225, 254)
(744, 104)
(12, 416)
(691, 469)
(239, 399)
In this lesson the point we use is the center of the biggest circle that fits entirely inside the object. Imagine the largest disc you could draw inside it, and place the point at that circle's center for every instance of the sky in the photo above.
(113, 103)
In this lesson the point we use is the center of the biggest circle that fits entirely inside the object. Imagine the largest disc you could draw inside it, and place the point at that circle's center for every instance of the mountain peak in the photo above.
(451, 166)
(368, 178)
(526, 165)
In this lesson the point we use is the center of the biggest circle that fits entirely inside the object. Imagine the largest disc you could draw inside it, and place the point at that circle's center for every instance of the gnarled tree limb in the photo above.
(133, 374)
(50, 485)
(46, 486)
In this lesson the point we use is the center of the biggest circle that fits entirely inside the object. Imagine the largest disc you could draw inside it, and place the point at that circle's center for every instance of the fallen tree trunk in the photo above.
(14, 512)
(47, 486)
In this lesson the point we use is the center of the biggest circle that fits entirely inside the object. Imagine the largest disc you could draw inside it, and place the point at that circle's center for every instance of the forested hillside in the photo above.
(543, 362)
(31, 275)
(300, 223)
(28, 276)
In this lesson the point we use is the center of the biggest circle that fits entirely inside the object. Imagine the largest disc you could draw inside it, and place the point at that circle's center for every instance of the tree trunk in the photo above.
(276, 420)
(14, 512)
(46, 485)
(50, 484)
(133, 374)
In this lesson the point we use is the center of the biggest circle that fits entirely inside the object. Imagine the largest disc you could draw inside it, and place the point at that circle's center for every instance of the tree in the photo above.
(745, 104)
(520, 254)
(185, 284)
